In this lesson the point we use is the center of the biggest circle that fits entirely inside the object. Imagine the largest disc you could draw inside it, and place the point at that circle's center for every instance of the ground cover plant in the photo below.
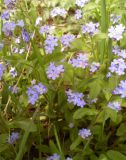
(62, 80)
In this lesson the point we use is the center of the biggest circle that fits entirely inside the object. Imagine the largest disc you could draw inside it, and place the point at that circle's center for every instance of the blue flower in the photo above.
(54, 157)
(13, 72)
(121, 89)
(14, 89)
(115, 18)
(10, 3)
(66, 39)
(114, 105)
(80, 62)
(53, 71)
(20, 23)
(76, 98)
(119, 52)
(90, 28)
(8, 28)
(44, 29)
(58, 12)
(94, 67)
(84, 133)
(25, 36)
(118, 66)
(50, 44)
(78, 14)
(35, 91)
(13, 137)
(5, 15)
(81, 3)
(2, 69)
(116, 32)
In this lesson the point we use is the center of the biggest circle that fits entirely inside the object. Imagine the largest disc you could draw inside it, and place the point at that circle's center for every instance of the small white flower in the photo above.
(38, 20)
(21, 51)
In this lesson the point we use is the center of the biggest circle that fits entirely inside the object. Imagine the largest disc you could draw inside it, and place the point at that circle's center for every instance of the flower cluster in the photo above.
(94, 67)
(14, 89)
(10, 3)
(115, 18)
(20, 23)
(17, 50)
(80, 62)
(76, 98)
(53, 71)
(108, 74)
(13, 137)
(84, 133)
(58, 12)
(115, 32)
(2, 69)
(25, 36)
(50, 44)
(66, 39)
(35, 91)
(54, 157)
(78, 14)
(118, 66)
(5, 15)
(44, 29)
(90, 101)
(115, 106)
(90, 28)
(81, 3)
(121, 89)
(8, 28)
(119, 52)
(13, 72)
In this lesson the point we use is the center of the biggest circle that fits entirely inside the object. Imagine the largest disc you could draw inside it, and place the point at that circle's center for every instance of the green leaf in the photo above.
(90, 6)
(93, 157)
(5, 95)
(3, 138)
(101, 117)
(95, 88)
(103, 157)
(101, 36)
(53, 147)
(68, 74)
(3, 147)
(112, 114)
(112, 83)
(75, 143)
(1, 158)
(80, 113)
(78, 44)
(84, 83)
(121, 130)
(107, 94)
(24, 124)
(44, 149)
(115, 155)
